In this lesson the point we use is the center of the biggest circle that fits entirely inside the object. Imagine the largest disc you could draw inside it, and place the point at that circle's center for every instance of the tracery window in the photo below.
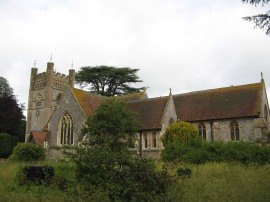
(38, 100)
(202, 130)
(154, 139)
(66, 136)
(234, 126)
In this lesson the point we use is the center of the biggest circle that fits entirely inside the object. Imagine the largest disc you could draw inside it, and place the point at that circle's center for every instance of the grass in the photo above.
(208, 182)
(223, 182)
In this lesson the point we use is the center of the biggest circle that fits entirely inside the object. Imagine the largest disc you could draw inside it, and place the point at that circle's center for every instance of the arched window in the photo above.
(234, 131)
(145, 139)
(38, 100)
(202, 130)
(66, 135)
(154, 139)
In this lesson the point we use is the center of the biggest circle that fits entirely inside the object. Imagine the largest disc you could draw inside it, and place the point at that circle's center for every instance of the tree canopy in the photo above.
(261, 21)
(113, 123)
(108, 80)
(4, 87)
(11, 112)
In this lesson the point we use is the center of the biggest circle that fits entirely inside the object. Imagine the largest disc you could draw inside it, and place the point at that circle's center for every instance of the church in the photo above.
(57, 112)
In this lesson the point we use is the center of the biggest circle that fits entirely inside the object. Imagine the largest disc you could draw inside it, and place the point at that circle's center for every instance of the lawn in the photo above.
(208, 182)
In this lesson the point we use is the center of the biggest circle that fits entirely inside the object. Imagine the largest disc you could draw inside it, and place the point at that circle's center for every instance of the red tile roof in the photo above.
(39, 136)
(88, 101)
(149, 111)
(222, 103)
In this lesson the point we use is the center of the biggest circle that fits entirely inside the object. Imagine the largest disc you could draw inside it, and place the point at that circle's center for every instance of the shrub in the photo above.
(36, 174)
(241, 152)
(27, 152)
(5, 145)
(181, 132)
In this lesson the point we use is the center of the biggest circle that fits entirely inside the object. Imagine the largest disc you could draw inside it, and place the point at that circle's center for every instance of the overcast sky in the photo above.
(186, 45)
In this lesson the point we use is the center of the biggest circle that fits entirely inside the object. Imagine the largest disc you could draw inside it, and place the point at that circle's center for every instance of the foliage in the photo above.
(180, 132)
(7, 142)
(261, 21)
(104, 162)
(27, 152)
(184, 172)
(241, 152)
(113, 124)
(108, 81)
(11, 113)
(34, 174)
(5, 88)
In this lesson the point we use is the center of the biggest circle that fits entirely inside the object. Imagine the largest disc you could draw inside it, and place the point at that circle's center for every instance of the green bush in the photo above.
(5, 145)
(35, 174)
(7, 142)
(240, 152)
(27, 152)
(181, 132)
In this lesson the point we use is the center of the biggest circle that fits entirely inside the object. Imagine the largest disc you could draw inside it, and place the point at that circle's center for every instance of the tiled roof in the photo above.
(132, 97)
(39, 136)
(88, 101)
(221, 103)
(149, 112)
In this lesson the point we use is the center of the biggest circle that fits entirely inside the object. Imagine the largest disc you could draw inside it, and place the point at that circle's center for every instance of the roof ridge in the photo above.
(216, 89)
(148, 99)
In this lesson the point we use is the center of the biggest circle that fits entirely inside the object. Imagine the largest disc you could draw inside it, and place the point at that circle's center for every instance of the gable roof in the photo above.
(88, 101)
(149, 112)
(221, 103)
(37, 137)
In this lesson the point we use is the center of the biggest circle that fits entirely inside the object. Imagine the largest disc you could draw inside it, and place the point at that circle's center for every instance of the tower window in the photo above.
(38, 100)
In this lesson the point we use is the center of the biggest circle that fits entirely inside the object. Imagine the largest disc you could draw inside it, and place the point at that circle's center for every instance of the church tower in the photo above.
(44, 93)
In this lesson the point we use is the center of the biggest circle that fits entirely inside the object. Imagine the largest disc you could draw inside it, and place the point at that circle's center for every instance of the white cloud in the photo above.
(183, 45)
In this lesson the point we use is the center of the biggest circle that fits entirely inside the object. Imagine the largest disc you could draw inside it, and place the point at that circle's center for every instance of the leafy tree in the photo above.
(113, 124)
(11, 115)
(4, 87)
(180, 132)
(261, 20)
(104, 161)
(108, 81)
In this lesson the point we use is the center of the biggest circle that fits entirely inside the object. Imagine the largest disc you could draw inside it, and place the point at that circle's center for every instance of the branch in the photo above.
(255, 2)
(261, 21)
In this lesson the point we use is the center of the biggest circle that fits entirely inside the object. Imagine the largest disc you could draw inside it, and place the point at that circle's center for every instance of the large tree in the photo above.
(4, 87)
(104, 162)
(261, 21)
(108, 80)
(11, 112)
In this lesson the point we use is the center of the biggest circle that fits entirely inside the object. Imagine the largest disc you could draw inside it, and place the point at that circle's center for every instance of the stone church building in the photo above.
(57, 112)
